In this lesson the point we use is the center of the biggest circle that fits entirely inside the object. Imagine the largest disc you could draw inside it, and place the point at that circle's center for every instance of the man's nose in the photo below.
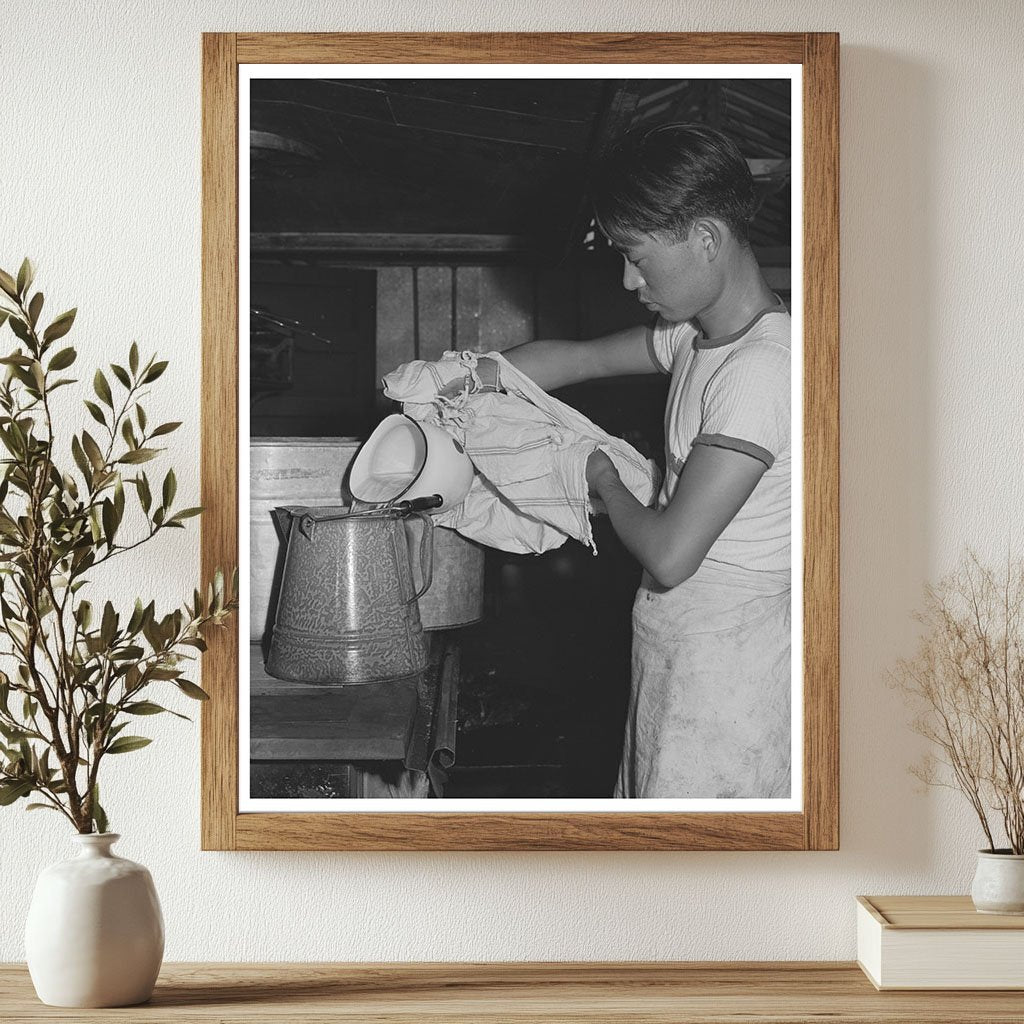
(631, 277)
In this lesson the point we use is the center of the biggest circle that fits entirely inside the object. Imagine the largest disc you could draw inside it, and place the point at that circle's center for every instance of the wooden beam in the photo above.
(424, 247)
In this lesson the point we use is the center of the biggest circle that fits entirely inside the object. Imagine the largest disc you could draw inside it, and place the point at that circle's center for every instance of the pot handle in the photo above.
(426, 555)
(418, 504)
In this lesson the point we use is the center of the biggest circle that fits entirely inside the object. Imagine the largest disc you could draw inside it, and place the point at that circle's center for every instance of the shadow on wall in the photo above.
(887, 391)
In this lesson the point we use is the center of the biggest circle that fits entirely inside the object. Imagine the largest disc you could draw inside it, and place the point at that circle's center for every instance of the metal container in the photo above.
(456, 597)
(310, 471)
(347, 611)
(286, 471)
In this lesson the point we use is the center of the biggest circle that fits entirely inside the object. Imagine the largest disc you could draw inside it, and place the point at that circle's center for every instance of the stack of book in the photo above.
(938, 942)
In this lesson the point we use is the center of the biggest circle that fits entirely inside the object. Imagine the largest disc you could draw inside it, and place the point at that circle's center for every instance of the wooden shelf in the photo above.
(694, 993)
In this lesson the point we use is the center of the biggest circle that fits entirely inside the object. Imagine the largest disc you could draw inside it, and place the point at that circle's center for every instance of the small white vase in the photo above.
(95, 934)
(999, 882)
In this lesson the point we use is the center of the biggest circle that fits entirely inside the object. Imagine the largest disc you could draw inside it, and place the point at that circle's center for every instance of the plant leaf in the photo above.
(133, 358)
(20, 328)
(34, 308)
(145, 497)
(102, 388)
(99, 816)
(164, 672)
(63, 359)
(170, 488)
(84, 614)
(139, 455)
(143, 707)
(92, 449)
(185, 513)
(95, 412)
(154, 371)
(135, 622)
(147, 707)
(119, 499)
(26, 273)
(125, 744)
(128, 433)
(121, 374)
(191, 690)
(108, 625)
(165, 428)
(60, 326)
(130, 653)
(7, 283)
(14, 790)
(80, 458)
(109, 521)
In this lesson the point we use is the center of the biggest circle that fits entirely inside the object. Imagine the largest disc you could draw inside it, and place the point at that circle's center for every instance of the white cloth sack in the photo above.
(530, 452)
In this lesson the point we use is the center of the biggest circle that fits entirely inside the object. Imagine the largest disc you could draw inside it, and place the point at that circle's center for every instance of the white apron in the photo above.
(709, 713)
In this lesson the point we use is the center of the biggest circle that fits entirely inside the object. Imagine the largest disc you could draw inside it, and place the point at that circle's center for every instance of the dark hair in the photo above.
(660, 180)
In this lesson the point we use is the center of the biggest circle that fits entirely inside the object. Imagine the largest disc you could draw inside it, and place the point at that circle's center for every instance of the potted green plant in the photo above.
(82, 672)
(967, 681)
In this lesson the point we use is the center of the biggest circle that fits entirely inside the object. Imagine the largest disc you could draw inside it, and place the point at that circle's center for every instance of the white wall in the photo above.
(99, 182)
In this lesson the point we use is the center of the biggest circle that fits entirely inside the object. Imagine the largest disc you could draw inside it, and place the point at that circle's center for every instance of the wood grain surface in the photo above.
(617, 993)
(521, 48)
(936, 912)
(817, 826)
(821, 441)
(219, 430)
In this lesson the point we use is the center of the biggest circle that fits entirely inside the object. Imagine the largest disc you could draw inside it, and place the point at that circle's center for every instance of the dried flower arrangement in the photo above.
(967, 678)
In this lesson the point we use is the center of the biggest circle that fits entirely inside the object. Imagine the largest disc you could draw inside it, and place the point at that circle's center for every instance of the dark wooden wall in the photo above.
(423, 311)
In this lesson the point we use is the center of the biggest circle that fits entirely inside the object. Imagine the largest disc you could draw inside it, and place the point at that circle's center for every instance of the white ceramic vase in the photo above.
(998, 886)
(95, 933)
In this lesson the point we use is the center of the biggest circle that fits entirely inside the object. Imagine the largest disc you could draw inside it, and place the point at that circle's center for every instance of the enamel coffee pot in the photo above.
(348, 611)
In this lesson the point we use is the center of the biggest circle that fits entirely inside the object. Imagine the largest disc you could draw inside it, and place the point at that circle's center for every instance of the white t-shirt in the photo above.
(734, 392)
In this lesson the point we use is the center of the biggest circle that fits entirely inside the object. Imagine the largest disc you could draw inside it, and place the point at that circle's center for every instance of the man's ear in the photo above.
(709, 235)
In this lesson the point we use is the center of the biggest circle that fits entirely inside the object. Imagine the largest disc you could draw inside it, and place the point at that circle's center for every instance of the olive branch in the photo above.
(81, 674)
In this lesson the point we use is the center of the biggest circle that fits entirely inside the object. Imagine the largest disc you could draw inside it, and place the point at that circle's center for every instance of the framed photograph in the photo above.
(520, 420)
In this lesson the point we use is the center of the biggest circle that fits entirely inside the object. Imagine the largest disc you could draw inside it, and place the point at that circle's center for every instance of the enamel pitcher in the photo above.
(348, 611)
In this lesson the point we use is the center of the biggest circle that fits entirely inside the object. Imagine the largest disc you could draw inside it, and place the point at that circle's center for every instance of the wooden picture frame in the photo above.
(816, 826)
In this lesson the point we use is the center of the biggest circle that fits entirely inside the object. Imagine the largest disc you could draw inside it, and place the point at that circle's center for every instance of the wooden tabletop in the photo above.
(658, 993)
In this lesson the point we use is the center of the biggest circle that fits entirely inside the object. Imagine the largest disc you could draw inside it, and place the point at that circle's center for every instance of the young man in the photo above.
(709, 713)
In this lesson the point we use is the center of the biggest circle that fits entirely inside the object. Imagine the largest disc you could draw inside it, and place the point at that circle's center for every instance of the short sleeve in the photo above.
(746, 403)
(665, 339)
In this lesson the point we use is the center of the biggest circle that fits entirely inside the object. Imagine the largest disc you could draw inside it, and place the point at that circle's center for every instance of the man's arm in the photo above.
(554, 364)
(672, 542)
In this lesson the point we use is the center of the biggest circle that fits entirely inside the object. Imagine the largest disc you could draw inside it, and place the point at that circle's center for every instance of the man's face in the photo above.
(669, 278)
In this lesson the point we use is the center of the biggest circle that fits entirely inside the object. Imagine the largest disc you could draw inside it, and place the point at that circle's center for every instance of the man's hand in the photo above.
(600, 471)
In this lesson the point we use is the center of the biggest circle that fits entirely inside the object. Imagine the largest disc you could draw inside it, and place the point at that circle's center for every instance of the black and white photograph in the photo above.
(520, 444)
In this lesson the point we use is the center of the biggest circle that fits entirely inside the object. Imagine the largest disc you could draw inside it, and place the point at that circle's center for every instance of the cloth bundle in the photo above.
(530, 451)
